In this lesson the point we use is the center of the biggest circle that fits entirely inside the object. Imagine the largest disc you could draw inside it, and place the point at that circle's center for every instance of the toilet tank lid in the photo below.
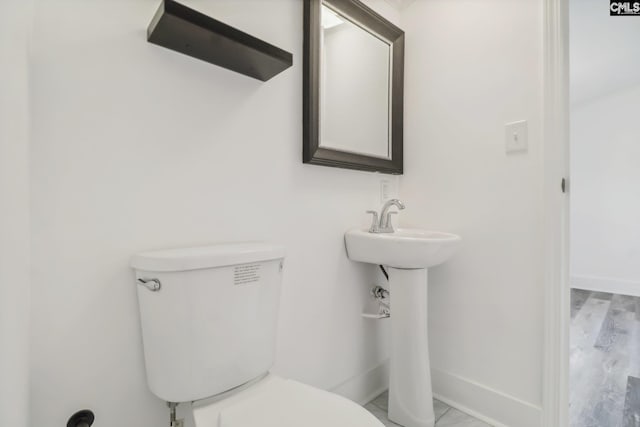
(218, 255)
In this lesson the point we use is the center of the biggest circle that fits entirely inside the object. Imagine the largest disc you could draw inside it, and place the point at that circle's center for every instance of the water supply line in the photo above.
(384, 271)
(173, 422)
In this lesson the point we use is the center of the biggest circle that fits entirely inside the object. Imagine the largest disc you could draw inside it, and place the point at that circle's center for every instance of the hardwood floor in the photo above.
(604, 360)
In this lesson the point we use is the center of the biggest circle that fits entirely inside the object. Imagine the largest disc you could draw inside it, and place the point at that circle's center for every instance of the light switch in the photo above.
(385, 190)
(516, 138)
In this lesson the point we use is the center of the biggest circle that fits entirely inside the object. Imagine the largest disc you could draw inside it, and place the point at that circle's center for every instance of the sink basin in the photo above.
(404, 248)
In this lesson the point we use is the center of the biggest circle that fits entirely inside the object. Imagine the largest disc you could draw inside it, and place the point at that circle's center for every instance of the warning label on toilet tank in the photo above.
(247, 273)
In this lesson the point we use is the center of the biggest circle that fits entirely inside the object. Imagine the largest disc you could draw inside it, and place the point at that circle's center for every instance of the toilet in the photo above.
(209, 319)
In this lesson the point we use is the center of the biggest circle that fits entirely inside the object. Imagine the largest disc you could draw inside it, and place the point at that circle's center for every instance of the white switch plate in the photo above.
(516, 138)
(385, 190)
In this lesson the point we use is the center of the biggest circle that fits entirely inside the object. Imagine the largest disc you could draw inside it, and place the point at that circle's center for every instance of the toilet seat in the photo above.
(278, 402)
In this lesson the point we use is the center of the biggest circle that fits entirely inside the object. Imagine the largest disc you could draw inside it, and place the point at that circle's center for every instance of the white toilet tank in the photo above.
(211, 325)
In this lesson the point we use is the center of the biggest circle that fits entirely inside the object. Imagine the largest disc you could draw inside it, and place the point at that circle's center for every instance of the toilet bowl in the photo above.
(208, 317)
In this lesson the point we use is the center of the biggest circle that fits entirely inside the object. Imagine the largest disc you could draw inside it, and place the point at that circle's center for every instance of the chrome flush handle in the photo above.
(152, 284)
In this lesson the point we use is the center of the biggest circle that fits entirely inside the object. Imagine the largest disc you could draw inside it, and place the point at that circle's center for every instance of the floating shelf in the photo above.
(188, 31)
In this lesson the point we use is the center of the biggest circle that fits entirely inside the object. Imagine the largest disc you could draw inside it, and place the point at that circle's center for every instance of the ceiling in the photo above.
(399, 4)
(604, 50)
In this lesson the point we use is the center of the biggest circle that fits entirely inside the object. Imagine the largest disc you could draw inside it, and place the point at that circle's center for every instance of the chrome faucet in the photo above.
(383, 223)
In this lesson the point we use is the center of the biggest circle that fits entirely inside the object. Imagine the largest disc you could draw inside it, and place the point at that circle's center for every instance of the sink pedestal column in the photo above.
(410, 394)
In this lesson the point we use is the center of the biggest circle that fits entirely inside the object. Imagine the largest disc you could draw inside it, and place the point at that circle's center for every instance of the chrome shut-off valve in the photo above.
(381, 295)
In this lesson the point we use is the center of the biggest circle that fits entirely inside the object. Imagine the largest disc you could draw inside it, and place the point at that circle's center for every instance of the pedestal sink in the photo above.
(407, 254)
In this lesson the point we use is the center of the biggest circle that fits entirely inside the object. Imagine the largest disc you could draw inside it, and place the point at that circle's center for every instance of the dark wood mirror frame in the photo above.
(312, 152)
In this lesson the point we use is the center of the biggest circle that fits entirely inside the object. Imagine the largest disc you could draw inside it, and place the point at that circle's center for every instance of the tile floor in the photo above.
(446, 416)
(604, 376)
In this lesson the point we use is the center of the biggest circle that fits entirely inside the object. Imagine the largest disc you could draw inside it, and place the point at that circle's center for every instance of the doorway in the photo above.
(604, 217)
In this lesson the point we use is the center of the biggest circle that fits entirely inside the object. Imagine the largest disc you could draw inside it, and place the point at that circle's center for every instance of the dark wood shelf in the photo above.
(192, 33)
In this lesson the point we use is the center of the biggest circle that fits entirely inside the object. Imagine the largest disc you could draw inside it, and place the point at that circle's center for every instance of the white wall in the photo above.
(14, 214)
(604, 51)
(605, 193)
(136, 147)
(471, 67)
(605, 95)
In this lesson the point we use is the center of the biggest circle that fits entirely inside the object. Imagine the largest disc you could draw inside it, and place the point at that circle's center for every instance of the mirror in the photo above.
(353, 87)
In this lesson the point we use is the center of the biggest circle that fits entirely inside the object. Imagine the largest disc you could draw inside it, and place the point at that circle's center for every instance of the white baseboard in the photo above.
(606, 284)
(491, 406)
(365, 387)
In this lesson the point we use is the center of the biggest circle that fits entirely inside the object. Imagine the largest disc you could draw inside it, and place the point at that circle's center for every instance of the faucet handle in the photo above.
(374, 223)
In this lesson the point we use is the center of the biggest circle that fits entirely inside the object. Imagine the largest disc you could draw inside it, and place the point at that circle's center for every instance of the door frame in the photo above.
(555, 382)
